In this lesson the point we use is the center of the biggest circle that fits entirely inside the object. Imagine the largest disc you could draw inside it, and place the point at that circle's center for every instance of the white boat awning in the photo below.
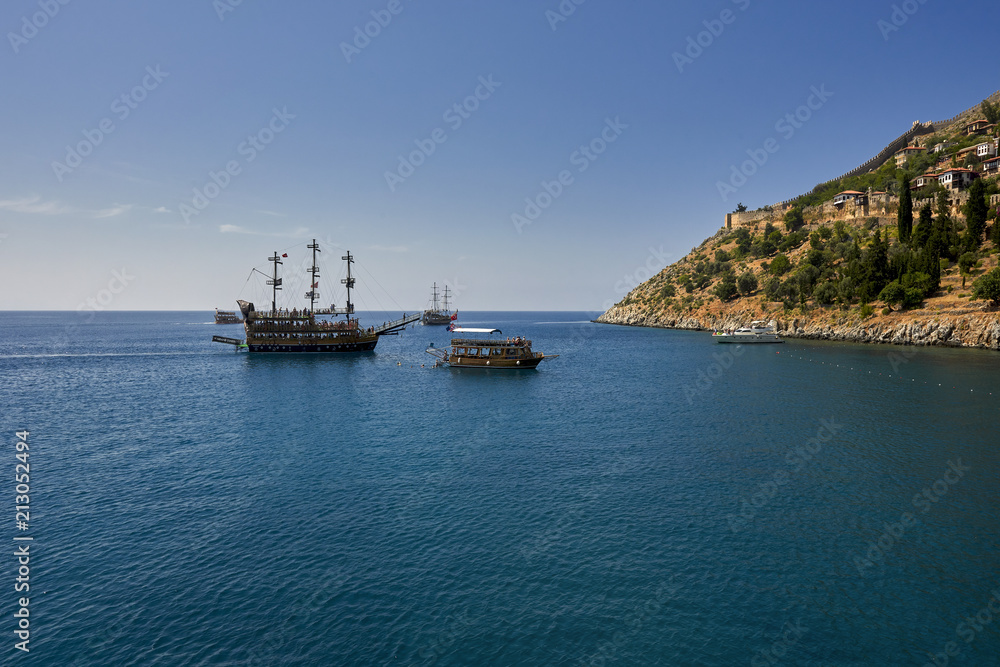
(469, 330)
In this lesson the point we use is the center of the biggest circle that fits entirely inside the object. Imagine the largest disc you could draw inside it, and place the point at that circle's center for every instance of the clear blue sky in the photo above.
(199, 80)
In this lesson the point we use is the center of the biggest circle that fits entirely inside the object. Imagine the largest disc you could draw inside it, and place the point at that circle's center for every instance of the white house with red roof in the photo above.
(957, 178)
(991, 166)
(849, 195)
(923, 181)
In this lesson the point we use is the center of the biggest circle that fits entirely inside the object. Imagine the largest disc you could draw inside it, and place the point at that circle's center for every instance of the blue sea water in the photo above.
(648, 498)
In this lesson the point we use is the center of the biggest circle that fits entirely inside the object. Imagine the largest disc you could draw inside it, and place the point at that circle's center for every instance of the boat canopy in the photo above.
(469, 330)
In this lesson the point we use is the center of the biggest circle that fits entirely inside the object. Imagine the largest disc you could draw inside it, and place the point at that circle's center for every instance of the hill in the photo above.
(903, 253)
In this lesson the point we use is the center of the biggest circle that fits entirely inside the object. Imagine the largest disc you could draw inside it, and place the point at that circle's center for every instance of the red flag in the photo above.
(315, 285)
(284, 254)
(454, 315)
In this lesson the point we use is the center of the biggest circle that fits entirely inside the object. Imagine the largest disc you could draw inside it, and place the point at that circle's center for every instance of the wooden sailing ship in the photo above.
(436, 315)
(488, 353)
(309, 330)
(227, 317)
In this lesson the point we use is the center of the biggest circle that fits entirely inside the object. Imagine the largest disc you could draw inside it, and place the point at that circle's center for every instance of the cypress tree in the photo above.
(904, 217)
(975, 215)
(923, 229)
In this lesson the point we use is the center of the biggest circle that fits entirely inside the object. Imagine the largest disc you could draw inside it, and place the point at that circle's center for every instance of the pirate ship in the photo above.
(312, 329)
(436, 315)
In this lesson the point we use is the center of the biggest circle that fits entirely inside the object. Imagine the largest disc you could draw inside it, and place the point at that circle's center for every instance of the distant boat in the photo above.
(227, 317)
(486, 353)
(305, 329)
(759, 331)
(435, 315)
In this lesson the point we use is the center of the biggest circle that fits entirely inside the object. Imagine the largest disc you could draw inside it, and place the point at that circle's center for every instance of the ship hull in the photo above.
(748, 339)
(320, 348)
(494, 364)
(436, 320)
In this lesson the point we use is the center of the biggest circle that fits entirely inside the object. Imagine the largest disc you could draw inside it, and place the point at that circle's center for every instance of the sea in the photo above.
(646, 498)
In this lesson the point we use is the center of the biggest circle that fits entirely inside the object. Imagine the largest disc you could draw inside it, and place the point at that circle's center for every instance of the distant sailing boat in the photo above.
(438, 316)
(306, 330)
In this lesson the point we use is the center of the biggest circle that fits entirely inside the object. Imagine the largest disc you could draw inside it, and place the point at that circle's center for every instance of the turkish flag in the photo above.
(284, 254)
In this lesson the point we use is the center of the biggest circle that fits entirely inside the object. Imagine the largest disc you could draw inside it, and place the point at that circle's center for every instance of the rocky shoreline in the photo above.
(973, 329)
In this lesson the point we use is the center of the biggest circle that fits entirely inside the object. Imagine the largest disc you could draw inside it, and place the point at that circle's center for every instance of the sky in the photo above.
(532, 155)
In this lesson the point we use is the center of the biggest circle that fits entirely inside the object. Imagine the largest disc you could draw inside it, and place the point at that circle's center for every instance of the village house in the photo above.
(964, 154)
(906, 153)
(849, 195)
(923, 181)
(986, 149)
(957, 178)
(991, 166)
(944, 145)
(976, 127)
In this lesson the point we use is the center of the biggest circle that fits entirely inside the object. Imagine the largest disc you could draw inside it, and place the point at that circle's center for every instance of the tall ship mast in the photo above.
(436, 315)
(309, 329)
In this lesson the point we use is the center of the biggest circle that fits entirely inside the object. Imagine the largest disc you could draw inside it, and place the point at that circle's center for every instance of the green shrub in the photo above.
(825, 294)
(780, 265)
(747, 284)
(987, 287)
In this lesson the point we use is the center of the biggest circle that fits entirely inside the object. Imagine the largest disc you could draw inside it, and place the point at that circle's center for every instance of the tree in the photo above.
(990, 111)
(740, 208)
(779, 265)
(726, 289)
(794, 220)
(747, 284)
(904, 217)
(987, 287)
(976, 212)
(825, 294)
(893, 293)
(876, 265)
(965, 264)
(743, 240)
(923, 230)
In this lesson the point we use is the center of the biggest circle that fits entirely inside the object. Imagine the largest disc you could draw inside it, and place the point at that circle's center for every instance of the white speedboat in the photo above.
(759, 331)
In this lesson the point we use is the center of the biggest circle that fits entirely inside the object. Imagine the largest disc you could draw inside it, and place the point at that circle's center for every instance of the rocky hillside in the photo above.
(685, 295)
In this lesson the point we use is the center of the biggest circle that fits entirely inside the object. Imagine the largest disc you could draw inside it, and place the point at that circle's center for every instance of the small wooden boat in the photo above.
(487, 353)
